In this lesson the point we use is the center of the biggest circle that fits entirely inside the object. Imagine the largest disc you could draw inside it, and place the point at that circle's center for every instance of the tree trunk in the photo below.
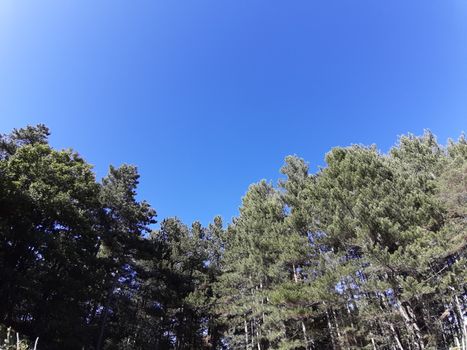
(305, 338)
(411, 325)
(295, 275)
(373, 343)
(102, 327)
(396, 337)
(462, 325)
(246, 335)
(105, 314)
(331, 333)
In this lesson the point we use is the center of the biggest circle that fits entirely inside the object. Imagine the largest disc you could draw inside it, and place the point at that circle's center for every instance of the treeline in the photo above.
(367, 253)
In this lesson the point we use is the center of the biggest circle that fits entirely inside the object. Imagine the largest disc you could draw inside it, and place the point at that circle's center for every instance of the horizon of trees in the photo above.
(367, 253)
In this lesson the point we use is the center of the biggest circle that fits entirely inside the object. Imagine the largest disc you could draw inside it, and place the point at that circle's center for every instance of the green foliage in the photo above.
(368, 253)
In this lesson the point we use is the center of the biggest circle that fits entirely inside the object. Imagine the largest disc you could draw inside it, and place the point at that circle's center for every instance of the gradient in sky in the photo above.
(209, 96)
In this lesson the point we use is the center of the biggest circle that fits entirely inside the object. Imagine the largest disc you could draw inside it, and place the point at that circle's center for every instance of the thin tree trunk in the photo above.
(331, 333)
(258, 340)
(105, 315)
(252, 326)
(462, 324)
(456, 341)
(246, 335)
(102, 327)
(340, 339)
(373, 343)
(305, 338)
(396, 337)
(295, 275)
(411, 325)
(349, 313)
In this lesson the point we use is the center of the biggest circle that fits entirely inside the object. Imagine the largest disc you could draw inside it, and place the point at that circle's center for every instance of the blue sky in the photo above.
(209, 96)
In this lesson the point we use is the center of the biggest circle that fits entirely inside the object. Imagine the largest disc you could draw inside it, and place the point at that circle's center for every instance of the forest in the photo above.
(369, 252)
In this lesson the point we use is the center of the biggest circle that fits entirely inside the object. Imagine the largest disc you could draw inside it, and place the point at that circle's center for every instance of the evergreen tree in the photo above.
(49, 212)
(367, 253)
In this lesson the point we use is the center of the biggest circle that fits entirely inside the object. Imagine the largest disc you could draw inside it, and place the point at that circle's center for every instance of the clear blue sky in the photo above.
(207, 97)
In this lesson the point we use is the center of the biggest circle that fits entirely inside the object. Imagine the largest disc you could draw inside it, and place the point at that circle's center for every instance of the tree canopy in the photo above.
(367, 253)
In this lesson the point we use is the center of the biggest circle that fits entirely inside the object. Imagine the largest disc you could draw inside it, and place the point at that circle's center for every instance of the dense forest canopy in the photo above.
(367, 253)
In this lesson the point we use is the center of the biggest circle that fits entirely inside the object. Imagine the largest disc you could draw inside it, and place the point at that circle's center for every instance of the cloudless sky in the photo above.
(209, 96)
